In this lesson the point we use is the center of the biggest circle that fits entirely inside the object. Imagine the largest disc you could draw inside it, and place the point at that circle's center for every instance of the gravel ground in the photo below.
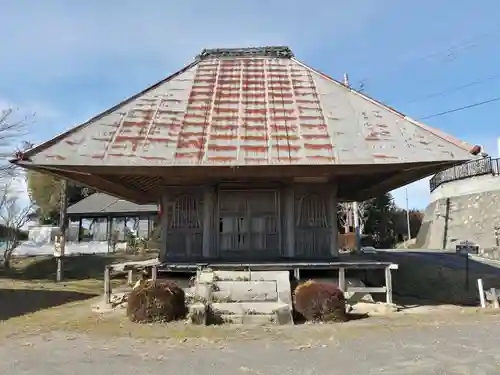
(469, 346)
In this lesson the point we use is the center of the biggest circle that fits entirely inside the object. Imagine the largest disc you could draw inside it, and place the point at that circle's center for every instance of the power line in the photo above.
(450, 53)
(464, 45)
(461, 108)
(451, 90)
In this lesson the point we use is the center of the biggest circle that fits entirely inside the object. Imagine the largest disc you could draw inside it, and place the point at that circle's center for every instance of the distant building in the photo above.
(94, 218)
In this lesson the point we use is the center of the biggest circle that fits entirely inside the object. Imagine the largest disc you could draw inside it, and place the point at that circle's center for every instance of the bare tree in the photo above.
(14, 214)
(12, 130)
(346, 215)
(363, 214)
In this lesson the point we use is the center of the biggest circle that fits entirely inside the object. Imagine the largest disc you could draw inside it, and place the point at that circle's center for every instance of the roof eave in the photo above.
(446, 137)
(43, 146)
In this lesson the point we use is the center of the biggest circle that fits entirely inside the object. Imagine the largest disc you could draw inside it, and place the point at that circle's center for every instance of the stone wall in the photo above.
(468, 209)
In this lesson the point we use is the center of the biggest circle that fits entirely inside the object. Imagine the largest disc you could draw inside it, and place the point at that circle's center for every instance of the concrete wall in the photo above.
(469, 186)
(467, 209)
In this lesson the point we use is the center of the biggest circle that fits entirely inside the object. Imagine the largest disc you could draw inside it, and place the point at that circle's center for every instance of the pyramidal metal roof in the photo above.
(250, 106)
(99, 204)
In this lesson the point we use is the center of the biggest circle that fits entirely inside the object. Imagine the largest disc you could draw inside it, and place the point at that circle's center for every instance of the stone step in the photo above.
(249, 308)
(248, 319)
(222, 275)
(245, 291)
(281, 278)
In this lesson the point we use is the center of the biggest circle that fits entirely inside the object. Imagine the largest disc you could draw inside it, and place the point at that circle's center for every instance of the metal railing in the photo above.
(471, 168)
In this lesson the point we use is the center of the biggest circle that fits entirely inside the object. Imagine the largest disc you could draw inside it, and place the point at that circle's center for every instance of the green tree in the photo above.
(45, 192)
(380, 214)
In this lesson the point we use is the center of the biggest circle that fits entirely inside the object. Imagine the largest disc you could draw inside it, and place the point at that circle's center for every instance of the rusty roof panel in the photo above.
(230, 109)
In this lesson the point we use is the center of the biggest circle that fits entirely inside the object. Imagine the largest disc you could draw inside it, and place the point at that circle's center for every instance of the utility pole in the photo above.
(354, 205)
(407, 219)
(63, 224)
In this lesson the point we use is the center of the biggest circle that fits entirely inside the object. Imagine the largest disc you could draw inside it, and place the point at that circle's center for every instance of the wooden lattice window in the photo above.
(313, 233)
(248, 220)
(184, 236)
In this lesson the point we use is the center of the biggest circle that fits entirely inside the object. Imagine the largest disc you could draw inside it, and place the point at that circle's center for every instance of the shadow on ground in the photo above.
(76, 267)
(434, 278)
(17, 302)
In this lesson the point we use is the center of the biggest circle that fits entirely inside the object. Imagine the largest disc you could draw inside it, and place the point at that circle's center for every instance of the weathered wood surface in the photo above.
(277, 266)
(134, 265)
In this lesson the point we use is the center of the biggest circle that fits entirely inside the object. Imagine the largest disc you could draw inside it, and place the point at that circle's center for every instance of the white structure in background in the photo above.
(42, 234)
(498, 146)
(41, 242)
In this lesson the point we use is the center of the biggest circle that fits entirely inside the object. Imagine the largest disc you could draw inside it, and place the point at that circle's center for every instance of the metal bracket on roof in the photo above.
(276, 52)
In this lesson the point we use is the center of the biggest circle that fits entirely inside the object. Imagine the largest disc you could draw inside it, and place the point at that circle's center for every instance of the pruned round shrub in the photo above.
(156, 301)
(320, 302)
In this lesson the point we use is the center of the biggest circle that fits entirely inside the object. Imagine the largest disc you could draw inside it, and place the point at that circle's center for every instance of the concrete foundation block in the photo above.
(205, 277)
(283, 315)
(198, 313)
(202, 292)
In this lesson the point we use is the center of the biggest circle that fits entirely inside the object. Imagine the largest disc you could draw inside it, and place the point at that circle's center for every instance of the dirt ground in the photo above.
(460, 343)
(71, 339)
(49, 329)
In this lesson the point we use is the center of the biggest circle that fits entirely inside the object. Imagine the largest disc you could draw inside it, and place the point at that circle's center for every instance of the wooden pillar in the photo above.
(332, 211)
(209, 227)
(107, 284)
(289, 219)
(63, 224)
(163, 223)
(79, 229)
(341, 283)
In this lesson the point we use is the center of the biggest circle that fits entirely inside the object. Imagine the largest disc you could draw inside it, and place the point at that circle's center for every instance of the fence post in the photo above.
(496, 304)
(130, 277)
(388, 285)
(480, 289)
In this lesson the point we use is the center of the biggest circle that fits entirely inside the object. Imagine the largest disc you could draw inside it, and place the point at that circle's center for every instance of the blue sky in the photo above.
(67, 61)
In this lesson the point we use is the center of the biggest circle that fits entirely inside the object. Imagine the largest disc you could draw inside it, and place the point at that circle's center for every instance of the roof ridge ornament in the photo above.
(270, 51)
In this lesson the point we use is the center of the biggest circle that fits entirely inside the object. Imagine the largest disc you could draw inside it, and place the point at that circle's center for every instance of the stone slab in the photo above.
(250, 308)
(248, 319)
(245, 291)
(205, 277)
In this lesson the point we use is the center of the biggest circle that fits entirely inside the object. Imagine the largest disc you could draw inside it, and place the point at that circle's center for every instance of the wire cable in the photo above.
(451, 90)
(461, 108)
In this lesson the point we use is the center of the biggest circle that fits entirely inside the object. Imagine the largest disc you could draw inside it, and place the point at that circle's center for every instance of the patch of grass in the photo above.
(77, 318)
(76, 267)
(29, 285)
